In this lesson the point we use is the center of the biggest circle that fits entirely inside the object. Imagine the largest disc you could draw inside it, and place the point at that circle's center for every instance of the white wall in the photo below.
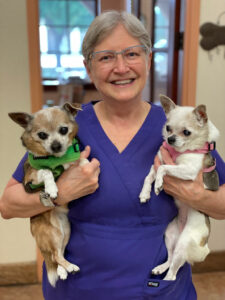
(211, 91)
(17, 244)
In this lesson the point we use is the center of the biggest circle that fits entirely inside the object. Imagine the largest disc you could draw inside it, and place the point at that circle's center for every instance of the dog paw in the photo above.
(144, 198)
(158, 186)
(145, 194)
(158, 190)
(73, 269)
(170, 277)
(160, 269)
(156, 271)
(62, 273)
(52, 191)
(46, 200)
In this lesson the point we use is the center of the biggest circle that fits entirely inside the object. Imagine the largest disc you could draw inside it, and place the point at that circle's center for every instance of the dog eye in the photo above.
(42, 135)
(63, 130)
(168, 128)
(186, 132)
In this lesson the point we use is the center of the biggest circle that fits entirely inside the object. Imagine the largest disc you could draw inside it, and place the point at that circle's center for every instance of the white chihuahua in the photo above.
(49, 137)
(189, 137)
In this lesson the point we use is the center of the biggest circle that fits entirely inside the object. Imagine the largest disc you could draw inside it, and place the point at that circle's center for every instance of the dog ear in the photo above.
(167, 103)
(23, 119)
(200, 114)
(72, 109)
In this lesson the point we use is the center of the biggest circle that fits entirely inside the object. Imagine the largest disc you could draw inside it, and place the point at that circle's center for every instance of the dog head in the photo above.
(49, 131)
(187, 128)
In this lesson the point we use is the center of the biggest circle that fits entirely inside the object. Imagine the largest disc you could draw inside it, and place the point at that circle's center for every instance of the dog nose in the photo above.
(56, 147)
(171, 139)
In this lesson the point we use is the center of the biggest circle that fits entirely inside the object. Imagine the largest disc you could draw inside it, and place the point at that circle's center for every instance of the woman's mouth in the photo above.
(122, 82)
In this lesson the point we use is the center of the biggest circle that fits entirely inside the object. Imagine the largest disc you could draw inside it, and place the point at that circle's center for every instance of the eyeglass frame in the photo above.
(117, 52)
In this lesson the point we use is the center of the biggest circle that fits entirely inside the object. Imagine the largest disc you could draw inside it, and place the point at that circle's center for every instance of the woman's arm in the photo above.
(193, 192)
(74, 183)
(16, 203)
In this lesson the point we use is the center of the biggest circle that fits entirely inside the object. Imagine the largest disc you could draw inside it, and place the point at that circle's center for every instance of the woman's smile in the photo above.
(123, 82)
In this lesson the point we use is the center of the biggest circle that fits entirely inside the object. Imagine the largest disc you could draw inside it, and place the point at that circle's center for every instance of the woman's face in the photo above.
(120, 79)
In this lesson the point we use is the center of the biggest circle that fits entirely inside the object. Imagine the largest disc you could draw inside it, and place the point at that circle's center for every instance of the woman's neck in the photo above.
(126, 111)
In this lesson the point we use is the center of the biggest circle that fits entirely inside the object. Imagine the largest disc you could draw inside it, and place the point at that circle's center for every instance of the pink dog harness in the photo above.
(205, 149)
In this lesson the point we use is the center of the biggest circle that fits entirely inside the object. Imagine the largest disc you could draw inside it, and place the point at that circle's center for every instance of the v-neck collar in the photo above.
(105, 141)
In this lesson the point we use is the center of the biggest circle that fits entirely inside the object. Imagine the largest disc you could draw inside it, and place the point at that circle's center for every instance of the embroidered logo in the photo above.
(153, 284)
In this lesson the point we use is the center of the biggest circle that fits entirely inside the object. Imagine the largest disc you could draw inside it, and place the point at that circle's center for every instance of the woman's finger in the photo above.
(86, 152)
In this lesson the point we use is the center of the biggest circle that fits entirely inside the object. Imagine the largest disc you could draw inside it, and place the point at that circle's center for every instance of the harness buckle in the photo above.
(212, 146)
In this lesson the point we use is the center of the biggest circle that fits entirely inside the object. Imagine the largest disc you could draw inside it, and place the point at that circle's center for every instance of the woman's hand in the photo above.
(78, 180)
(193, 193)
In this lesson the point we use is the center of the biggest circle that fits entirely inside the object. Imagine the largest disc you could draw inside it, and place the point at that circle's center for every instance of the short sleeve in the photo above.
(220, 166)
(19, 172)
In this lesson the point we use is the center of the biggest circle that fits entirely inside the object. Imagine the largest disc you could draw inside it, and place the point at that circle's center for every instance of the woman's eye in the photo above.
(131, 54)
(168, 128)
(106, 57)
(186, 132)
(42, 135)
(63, 130)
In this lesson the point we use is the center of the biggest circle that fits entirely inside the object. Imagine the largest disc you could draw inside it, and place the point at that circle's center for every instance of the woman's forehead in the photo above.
(118, 39)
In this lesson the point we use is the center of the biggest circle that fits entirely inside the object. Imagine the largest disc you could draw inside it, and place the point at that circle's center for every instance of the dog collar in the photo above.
(205, 149)
(55, 164)
(51, 162)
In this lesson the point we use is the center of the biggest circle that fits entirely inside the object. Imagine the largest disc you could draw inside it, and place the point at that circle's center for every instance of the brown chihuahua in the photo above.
(49, 137)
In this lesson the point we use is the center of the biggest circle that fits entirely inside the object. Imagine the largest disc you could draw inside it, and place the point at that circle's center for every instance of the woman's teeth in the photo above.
(121, 82)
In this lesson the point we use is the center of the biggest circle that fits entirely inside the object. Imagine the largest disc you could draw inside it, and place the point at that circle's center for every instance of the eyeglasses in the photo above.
(107, 58)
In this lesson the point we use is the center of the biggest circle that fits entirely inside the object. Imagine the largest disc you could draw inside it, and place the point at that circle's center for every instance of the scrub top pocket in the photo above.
(180, 289)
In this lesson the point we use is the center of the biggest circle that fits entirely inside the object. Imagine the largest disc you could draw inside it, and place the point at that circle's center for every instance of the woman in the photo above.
(115, 240)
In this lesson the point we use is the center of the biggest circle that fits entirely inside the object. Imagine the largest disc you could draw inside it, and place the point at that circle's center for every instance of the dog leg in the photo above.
(177, 262)
(47, 177)
(186, 172)
(146, 190)
(180, 255)
(171, 237)
(65, 267)
(161, 172)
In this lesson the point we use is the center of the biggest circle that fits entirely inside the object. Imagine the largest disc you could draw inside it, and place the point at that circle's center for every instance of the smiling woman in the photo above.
(115, 240)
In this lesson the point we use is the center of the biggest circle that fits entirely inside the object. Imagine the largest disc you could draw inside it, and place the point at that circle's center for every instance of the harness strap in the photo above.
(205, 149)
(55, 164)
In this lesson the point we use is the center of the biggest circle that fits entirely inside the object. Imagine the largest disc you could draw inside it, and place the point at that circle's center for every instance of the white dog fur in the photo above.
(187, 235)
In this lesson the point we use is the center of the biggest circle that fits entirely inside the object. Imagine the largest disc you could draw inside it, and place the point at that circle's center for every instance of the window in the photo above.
(163, 20)
(160, 46)
(62, 26)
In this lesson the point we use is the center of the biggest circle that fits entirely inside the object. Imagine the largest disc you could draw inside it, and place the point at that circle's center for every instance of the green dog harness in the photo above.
(55, 164)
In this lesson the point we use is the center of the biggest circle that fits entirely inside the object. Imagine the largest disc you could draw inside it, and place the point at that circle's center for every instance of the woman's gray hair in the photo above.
(105, 23)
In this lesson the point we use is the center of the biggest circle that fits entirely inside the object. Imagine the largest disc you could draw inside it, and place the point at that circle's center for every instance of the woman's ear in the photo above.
(87, 69)
(149, 60)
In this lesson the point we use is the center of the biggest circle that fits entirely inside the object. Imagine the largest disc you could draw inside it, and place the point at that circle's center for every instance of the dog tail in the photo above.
(51, 268)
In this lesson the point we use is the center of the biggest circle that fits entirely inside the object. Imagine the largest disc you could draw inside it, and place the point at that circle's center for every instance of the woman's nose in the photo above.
(121, 65)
